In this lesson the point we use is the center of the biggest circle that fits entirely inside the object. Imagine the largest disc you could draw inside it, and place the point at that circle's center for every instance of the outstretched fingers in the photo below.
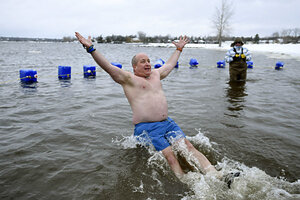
(86, 42)
(182, 41)
(185, 39)
(78, 35)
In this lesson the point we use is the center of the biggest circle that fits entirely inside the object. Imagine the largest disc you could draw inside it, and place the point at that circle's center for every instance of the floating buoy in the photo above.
(64, 72)
(221, 64)
(89, 71)
(160, 62)
(279, 65)
(28, 75)
(250, 64)
(193, 63)
(117, 64)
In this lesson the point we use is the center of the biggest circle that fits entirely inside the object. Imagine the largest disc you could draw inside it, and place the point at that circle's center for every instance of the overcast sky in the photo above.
(59, 18)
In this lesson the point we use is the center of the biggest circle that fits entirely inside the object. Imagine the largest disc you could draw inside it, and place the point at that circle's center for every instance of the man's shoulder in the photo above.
(155, 72)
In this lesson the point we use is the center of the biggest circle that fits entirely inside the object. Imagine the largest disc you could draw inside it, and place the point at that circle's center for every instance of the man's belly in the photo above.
(150, 114)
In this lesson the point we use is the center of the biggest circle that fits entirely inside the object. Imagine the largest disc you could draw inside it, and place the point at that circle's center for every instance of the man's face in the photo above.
(143, 66)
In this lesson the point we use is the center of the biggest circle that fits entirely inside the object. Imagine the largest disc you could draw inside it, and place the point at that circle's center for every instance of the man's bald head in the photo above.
(135, 59)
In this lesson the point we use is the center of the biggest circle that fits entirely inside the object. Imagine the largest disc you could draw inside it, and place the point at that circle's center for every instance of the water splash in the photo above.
(253, 183)
(201, 140)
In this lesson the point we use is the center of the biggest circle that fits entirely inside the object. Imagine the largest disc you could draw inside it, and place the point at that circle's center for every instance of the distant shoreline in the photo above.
(280, 51)
(23, 39)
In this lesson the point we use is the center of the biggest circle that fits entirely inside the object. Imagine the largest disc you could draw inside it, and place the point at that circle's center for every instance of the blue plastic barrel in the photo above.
(89, 71)
(193, 63)
(279, 65)
(160, 62)
(28, 75)
(221, 64)
(250, 64)
(117, 64)
(64, 72)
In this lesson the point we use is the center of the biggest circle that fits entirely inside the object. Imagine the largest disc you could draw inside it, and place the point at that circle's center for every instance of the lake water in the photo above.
(73, 139)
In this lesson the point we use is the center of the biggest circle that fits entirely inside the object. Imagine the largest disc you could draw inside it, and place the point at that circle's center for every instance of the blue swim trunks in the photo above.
(160, 134)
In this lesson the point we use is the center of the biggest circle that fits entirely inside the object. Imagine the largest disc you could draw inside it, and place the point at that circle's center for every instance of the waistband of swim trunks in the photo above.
(168, 118)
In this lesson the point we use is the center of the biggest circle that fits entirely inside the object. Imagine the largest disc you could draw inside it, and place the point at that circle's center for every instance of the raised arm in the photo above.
(170, 64)
(118, 75)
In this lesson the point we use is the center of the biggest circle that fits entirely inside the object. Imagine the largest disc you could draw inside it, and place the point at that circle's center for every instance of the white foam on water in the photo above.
(126, 142)
(131, 142)
(253, 183)
(201, 140)
(140, 188)
(155, 176)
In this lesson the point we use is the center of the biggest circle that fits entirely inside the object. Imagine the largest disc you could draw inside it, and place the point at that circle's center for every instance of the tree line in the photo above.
(284, 37)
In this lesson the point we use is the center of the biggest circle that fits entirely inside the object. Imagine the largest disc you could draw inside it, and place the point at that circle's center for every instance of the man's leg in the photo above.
(173, 162)
(205, 165)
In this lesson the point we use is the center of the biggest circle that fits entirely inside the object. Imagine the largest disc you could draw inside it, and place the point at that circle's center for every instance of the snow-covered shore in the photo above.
(272, 50)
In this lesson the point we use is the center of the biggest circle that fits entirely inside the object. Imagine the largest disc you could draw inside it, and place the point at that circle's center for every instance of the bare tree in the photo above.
(290, 35)
(142, 36)
(221, 19)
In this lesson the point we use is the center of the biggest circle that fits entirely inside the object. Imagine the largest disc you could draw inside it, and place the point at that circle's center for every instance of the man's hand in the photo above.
(182, 42)
(85, 42)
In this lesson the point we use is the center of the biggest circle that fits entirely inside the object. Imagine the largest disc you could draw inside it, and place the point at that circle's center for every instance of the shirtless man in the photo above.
(143, 90)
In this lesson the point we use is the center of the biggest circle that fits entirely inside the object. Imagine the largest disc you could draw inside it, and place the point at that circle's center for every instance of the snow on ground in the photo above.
(272, 50)
(277, 50)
